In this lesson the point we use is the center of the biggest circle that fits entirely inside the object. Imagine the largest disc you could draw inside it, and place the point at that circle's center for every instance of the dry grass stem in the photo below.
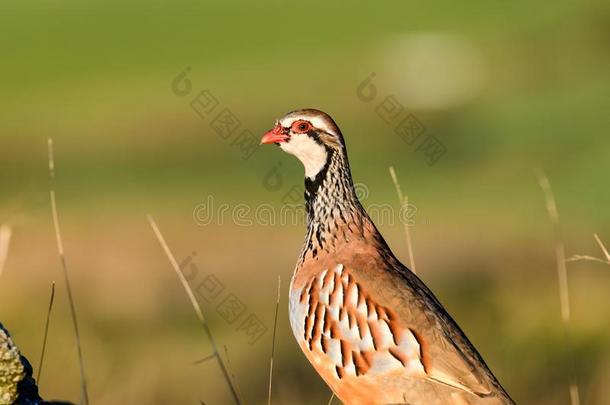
(176, 267)
(404, 204)
(562, 271)
(64, 267)
(46, 332)
(197, 308)
(208, 358)
(602, 247)
(574, 395)
(577, 258)
(230, 368)
(5, 241)
(277, 308)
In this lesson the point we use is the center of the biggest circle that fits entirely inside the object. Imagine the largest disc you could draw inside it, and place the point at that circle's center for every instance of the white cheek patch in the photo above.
(309, 152)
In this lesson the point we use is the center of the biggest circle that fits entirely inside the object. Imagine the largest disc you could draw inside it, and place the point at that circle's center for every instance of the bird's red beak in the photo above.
(276, 135)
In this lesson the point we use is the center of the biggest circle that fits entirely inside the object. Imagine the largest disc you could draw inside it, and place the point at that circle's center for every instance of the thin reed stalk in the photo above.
(277, 307)
(64, 267)
(197, 308)
(5, 241)
(231, 372)
(602, 247)
(46, 332)
(404, 204)
(562, 271)
(606, 260)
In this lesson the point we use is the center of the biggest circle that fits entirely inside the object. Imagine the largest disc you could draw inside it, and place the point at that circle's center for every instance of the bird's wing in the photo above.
(412, 326)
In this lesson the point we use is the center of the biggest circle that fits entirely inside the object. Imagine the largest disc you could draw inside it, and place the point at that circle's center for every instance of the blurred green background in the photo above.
(508, 88)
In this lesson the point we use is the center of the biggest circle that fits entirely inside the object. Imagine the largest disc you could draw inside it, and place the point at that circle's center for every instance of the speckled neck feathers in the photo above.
(334, 214)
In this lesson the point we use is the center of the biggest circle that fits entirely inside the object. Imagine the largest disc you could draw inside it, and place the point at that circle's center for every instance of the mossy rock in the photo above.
(12, 370)
(17, 386)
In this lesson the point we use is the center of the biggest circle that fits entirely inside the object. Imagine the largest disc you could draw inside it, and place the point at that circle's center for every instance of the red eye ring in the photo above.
(301, 126)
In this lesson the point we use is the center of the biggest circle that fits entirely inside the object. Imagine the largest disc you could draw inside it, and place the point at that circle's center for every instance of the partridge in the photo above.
(369, 326)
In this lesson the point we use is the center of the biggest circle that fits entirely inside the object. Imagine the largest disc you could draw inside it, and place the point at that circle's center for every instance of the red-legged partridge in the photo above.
(369, 326)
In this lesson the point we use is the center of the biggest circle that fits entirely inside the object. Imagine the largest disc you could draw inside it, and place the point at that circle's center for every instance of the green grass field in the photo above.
(508, 89)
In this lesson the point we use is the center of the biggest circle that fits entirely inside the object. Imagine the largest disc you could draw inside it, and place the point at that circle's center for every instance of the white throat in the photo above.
(309, 152)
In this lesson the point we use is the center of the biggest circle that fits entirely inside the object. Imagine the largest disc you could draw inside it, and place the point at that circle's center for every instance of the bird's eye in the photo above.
(301, 126)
